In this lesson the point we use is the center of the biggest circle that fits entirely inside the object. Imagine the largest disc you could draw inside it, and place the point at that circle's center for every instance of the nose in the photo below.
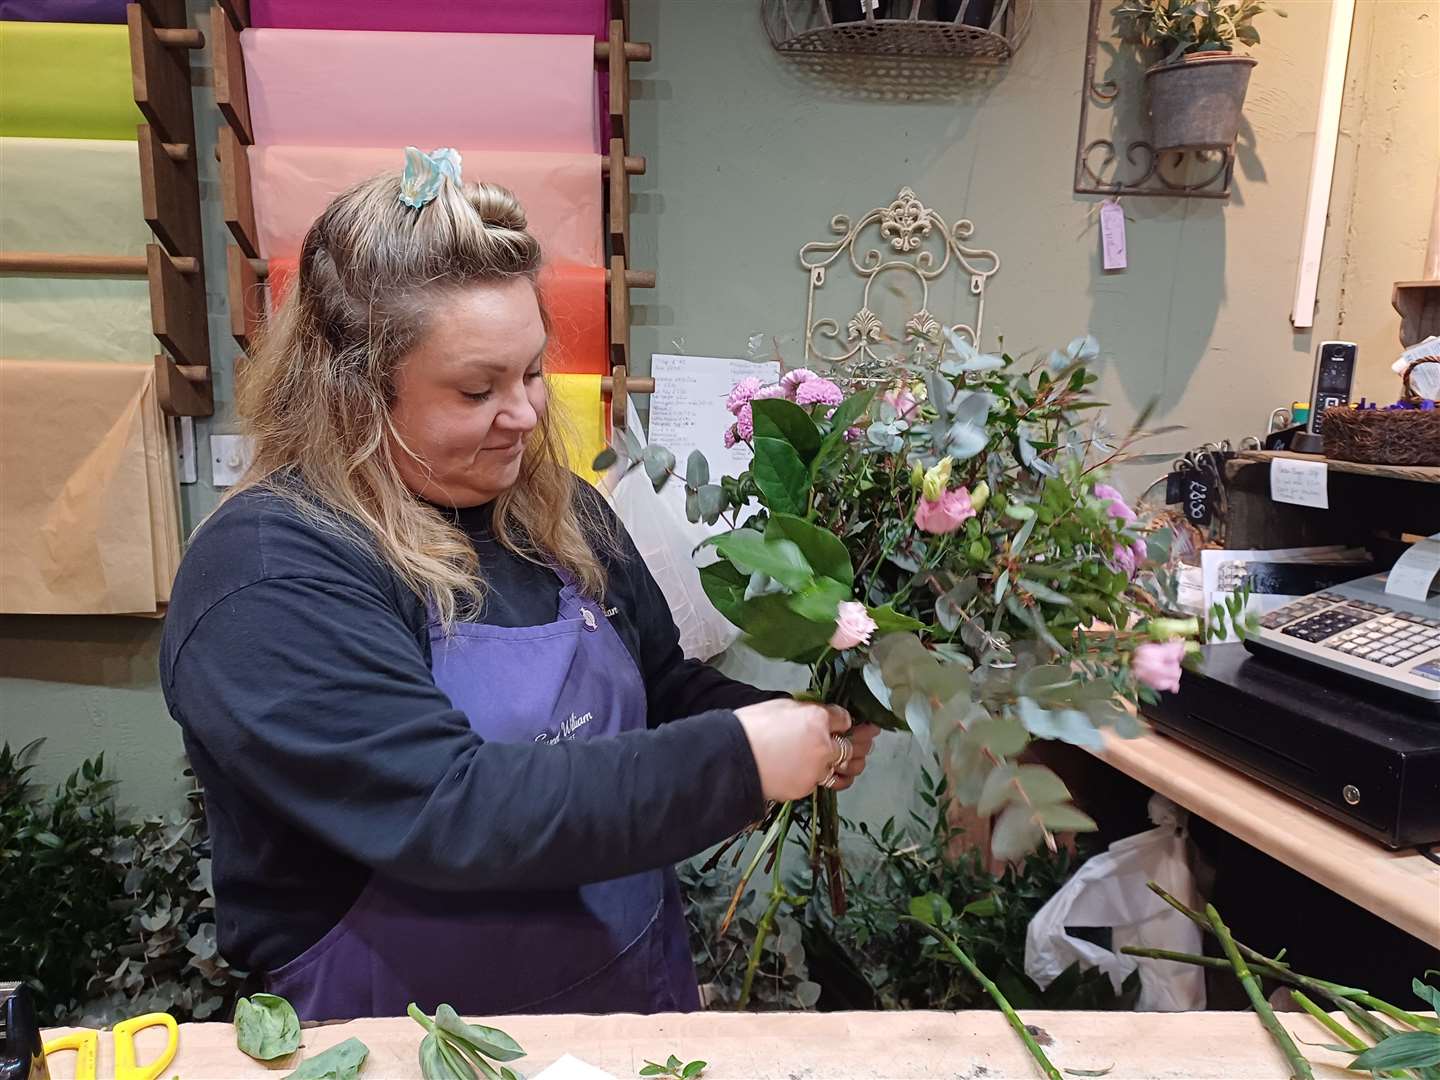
(518, 413)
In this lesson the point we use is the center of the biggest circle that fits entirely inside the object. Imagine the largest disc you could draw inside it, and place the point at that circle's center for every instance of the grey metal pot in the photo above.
(1196, 103)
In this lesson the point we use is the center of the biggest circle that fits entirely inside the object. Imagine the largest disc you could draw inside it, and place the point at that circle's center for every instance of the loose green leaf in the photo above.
(693, 1069)
(266, 1027)
(492, 1042)
(776, 418)
(780, 559)
(1405, 1050)
(824, 551)
(340, 1062)
(604, 459)
(1427, 994)
(932, 909)
(1016, 833)
(783, 479)
(1090, 1072)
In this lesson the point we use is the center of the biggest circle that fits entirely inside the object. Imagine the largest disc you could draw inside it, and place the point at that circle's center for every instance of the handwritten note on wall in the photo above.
(1300, 483)
(687, 411)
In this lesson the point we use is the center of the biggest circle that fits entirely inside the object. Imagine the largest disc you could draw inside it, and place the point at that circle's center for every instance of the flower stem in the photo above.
(979, 976)
(767, 920)
(1339, 1030)
(1300, 1068)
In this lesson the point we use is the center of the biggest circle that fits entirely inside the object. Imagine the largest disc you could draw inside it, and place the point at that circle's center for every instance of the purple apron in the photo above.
(614, 946)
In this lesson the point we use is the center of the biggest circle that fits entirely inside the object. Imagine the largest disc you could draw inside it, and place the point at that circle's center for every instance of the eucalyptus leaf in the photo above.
(658, 463)
(875, 682)
(1002, 735)
(1065, 818)
(266, 1027)
(697, 470)
(1043, 592)
(1001, 584)
(711, 501)
(965, 438)
(999, 790)
(1022, 537)
(1067, 725)
(1015, 834)
(604, 459)
(340, 1062)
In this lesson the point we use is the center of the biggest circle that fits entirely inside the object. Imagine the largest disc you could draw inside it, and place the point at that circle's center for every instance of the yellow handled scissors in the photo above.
(86, 1045)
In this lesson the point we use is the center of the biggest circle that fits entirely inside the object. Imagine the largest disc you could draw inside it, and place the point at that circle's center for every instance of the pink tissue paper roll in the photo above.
(533, 92)
(430, 16)
(291, 185)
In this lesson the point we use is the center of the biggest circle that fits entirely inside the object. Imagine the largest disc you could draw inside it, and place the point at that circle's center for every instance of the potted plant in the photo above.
(1197, 91)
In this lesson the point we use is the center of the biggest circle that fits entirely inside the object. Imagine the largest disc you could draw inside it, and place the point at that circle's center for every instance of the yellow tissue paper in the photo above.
(66, 81)
(576, 400)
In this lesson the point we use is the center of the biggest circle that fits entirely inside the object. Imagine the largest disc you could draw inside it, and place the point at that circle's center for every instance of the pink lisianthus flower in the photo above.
(853, 626)
(901, 400)
(818, 391)
(1118, 507)
(945, 514)
(1157, 665)
(741, 394)
(791, 381)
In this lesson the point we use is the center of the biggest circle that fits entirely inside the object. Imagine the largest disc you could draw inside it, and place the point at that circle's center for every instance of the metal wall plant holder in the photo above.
(1102, 167)
(910, 240)
(986, 30)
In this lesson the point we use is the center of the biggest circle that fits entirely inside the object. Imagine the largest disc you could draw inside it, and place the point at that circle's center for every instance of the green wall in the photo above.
(749, 159)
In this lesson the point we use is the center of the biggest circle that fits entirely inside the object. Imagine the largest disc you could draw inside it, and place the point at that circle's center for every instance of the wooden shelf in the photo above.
(1424, 474)
(1418, 303)
(1401, 887)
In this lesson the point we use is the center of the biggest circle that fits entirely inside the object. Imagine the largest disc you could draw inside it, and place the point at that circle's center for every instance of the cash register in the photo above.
(1334, 701)
(1383, 629)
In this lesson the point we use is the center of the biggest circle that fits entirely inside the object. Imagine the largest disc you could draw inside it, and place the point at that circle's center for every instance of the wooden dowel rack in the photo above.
(246, 270)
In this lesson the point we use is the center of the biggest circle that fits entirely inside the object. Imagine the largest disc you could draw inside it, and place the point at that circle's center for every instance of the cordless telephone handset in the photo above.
(1334, 375)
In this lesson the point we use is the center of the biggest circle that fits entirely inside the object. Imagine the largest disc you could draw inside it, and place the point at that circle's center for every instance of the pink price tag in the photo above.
(1112, 235)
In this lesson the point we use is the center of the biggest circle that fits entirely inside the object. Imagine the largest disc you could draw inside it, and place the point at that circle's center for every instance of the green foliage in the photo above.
(916, 871)
(783, 981)
(455, 1050)
(675, 1069)
(340, 1062)
(266, 1027)
(1402, 1050)
(1177, 27)
(104, 916)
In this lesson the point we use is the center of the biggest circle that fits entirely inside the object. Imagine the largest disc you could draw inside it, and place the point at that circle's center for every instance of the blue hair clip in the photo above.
(424, 173)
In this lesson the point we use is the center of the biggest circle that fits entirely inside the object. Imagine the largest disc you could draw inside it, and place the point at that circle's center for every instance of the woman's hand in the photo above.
(794, 749)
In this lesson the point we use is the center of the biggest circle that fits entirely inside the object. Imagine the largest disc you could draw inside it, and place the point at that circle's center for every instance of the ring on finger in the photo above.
(830, 779)
(844, 748)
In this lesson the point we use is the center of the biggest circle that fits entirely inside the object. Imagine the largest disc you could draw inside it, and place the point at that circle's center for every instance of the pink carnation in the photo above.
(730, 437)
(853, 626)
(945, 514)
(742, 393)
(745, 415)
(792, 380)
(1157, 665)
(774, 390)
(818, 392)
(854, 434)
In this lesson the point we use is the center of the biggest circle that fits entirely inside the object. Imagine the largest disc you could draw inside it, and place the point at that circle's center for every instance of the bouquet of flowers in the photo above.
(943, 553)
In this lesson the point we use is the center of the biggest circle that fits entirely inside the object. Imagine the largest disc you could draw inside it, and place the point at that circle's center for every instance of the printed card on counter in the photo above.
(572, 1068)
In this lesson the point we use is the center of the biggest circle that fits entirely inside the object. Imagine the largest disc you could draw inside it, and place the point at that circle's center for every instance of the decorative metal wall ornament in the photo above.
(913, 241)
(1099, 170)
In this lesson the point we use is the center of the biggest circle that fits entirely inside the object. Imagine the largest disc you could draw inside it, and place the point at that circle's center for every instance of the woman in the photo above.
(449, 743)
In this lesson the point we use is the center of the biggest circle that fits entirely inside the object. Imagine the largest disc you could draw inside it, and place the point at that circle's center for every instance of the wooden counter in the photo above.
(1401, 887)
(803, 1046)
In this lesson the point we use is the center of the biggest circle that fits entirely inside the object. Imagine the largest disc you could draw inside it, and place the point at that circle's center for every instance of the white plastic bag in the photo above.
(665, 541)
(1109, 891)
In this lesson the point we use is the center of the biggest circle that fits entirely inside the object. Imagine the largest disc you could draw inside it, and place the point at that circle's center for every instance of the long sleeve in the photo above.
(314, 697)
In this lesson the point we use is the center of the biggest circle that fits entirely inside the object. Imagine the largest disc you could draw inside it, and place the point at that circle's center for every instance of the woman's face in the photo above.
(470, 393)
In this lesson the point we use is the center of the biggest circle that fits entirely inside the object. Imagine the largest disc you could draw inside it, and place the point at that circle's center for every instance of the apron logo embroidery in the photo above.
(567, 729)
(589, 617)
(611, 612)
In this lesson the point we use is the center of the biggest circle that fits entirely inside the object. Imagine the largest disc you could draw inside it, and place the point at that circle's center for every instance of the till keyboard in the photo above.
(1361, 631)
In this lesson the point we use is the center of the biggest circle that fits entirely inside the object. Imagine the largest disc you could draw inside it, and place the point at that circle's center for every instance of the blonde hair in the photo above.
(316, 391)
